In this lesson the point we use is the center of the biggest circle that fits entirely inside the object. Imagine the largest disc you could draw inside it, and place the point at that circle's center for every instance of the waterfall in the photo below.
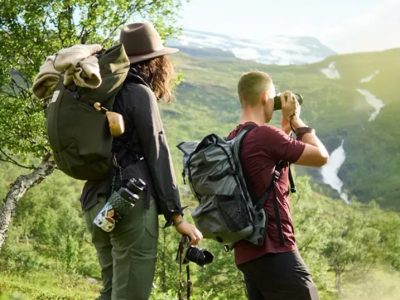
(376, 103)
(330, 171)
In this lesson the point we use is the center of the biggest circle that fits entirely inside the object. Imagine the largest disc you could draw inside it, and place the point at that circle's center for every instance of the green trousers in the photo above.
(127, 255)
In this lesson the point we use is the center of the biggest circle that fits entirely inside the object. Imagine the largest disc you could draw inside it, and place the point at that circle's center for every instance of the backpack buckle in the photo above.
(277, 174)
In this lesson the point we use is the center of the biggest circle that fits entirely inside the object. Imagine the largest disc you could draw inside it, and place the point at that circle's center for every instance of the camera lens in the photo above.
(198, 256)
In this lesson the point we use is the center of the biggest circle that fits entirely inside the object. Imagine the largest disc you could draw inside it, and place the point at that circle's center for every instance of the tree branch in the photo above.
(10, 160)
(8, 94)
(18, 189)
(84, 33)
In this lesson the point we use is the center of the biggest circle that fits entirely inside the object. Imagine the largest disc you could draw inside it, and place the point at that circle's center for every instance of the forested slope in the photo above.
(334, 104)
(48, 254)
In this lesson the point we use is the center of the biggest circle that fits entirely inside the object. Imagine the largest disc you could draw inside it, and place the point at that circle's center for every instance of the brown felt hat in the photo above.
(142, 42)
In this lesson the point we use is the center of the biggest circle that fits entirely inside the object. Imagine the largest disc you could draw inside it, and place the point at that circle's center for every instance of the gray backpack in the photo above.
(226, 212)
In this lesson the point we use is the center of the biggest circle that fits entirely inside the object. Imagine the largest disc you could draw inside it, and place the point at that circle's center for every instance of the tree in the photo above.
(32, 30)
(354, 246)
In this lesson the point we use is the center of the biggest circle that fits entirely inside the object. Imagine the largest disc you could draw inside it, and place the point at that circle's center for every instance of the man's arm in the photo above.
(315, 153)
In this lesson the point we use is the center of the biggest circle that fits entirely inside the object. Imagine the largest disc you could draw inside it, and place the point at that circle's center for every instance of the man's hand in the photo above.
(290, 106)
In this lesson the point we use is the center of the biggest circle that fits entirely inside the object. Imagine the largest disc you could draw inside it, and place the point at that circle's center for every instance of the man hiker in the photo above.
(274, 270)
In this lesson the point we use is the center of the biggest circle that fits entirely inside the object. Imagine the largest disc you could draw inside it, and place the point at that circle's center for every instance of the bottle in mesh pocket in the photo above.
(118, 204)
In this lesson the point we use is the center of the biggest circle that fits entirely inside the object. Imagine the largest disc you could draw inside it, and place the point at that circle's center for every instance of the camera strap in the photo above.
(117, 175)
(180, 257)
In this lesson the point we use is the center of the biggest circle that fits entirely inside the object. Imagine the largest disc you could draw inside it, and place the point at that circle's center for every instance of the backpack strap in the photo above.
(124, 150)
(259, 202)
(291, 181)
(237, 149)
(277, 173)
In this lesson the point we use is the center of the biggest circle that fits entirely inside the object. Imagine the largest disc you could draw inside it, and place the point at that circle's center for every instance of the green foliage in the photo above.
(32, 30)
(49, 242)
(342, 244)
(222, 271)
(49, 221)
(47, 286)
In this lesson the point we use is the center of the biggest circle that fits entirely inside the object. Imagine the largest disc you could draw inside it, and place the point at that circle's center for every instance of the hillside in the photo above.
(336, 106)
(48, 254)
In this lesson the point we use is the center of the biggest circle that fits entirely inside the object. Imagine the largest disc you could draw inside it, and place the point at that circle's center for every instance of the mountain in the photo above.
(280, 50)
(351, 100)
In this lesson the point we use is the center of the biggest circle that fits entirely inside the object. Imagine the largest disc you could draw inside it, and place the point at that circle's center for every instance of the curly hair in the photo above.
(157, 73)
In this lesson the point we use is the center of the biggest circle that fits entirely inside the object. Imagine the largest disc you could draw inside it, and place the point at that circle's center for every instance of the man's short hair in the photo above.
(251, 85)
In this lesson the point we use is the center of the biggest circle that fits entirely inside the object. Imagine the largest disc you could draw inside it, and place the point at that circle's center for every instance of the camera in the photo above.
(198, 256)
(118, 204)
(190, 253)
(278, 103)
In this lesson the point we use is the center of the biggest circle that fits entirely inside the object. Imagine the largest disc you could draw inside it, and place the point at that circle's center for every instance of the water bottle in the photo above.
(118, 204)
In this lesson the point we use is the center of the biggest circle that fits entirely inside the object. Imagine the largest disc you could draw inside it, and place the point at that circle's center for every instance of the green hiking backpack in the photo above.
(78, 133)
(226, 212)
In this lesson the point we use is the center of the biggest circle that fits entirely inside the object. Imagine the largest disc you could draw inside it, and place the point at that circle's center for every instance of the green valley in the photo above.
(334, 107)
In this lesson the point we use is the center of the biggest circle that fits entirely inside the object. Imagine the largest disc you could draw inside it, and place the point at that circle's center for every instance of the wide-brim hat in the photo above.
(142, 42)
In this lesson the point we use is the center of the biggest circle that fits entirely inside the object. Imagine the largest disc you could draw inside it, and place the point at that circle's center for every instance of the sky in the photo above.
(345, 26)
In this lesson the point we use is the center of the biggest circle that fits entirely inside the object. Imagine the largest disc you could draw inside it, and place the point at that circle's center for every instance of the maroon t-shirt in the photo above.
(262, 148)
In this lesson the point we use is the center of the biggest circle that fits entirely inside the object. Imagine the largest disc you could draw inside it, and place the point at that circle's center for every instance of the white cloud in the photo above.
(376, 29)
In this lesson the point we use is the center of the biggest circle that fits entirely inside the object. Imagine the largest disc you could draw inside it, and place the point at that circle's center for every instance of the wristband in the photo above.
(302, 131)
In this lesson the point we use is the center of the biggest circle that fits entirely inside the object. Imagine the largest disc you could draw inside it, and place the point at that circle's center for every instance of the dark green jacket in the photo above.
(144, 137)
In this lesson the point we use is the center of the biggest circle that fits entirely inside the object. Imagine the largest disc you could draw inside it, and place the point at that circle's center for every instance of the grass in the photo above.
(377, 284)
(47, 285)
